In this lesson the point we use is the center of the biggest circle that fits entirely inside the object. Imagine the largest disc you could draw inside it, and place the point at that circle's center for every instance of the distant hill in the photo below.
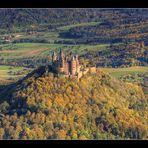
(118, 31)
(96, 107)
(54, 17)
(11, 18)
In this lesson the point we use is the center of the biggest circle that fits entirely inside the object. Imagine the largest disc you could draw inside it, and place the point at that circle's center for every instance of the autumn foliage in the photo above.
(96, 107)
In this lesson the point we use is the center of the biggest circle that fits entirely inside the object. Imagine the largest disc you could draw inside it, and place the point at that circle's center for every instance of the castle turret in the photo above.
(73, 66)
(61, 61)
(66, 65)
(77, 64)
(54, 57)
(61, 54)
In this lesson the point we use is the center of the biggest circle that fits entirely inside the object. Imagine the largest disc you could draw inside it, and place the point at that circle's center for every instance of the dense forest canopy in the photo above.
(96, 107)
(25, 17)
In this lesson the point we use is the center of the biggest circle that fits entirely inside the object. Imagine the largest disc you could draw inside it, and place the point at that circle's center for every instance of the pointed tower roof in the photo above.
(54, 56)
(73, 58)
(76, 56)
(53, 53)
(61, 53)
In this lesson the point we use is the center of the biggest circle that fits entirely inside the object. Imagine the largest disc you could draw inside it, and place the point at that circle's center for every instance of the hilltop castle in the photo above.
(69, 66)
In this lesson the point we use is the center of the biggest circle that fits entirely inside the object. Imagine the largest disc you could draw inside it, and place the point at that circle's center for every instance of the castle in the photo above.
(69, 66)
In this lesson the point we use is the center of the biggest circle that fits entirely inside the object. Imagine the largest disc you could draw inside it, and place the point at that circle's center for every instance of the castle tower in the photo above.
(54, 57)
(73, 66)
(77, 64)
(61, 61)
(61, 56)
(66, 66)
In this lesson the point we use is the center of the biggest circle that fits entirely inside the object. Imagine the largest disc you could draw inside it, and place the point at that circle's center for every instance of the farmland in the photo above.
(136, 74)
(118, 72)
(11, 73)
(23, 50)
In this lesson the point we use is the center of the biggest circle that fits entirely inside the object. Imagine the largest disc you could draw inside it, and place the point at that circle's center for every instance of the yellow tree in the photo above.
(61, 134)
(1, 133)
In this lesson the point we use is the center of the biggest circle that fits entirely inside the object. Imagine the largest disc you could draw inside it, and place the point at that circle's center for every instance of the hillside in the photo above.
(19, 19)
(96, 107)
(110, 37)
(25, 17)
(111, 104)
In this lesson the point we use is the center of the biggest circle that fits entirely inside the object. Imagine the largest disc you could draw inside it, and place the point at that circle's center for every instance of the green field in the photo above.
(11, 72)
(117, 72)
(78, 25)
(28, 50)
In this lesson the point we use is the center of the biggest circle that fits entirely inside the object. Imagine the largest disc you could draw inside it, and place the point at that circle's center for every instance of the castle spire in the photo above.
(54, 56)
(61, 54)
(77, 64)
(76, 57)
(53, 53)
(73, 58)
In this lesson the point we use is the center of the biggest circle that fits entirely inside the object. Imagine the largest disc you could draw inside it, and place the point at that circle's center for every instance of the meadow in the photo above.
(117, 72)
(135, 74)
(26, 50)
(67, 27)
(11, 73)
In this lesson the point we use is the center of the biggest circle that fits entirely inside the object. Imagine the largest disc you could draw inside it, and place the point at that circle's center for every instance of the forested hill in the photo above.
(96, 107)
(54, 17)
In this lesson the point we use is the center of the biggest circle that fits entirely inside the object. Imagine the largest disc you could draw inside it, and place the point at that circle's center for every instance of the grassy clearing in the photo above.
(10, 72)
(117, 72)
(64, 28)
(24, 50)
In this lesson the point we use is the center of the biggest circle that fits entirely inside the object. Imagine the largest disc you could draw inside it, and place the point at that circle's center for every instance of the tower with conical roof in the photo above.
(61, 61)
(61, 56)
(73, 66)
(77, 64)
(54, 57)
